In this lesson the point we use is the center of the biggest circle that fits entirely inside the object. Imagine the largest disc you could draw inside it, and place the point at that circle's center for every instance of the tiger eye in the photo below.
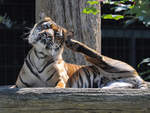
(56, 33)
(46, 25)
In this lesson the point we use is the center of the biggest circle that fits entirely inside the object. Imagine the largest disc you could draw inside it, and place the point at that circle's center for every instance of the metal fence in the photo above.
(129, 45)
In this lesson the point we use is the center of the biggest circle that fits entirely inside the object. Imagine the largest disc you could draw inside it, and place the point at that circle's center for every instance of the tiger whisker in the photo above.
(25, 38)
(26, 33)
(28, 28)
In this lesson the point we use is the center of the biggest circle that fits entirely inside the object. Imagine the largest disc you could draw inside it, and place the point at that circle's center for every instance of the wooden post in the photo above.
(84, 100)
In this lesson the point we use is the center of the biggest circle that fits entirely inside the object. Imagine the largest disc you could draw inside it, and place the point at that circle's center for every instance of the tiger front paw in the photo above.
(60, 84)
(73, 45)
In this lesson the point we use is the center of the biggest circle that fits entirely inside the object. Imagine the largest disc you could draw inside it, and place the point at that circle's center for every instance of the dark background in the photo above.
(13, 47)
(129, 44)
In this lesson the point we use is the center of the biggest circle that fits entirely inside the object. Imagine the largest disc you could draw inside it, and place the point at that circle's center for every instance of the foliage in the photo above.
(141, 11)
(144, 69)
(91, 9)
(119, 7)
(133, 9)
(111, 16)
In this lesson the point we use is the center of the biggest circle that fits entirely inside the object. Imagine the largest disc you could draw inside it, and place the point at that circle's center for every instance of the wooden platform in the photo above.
(52, 100)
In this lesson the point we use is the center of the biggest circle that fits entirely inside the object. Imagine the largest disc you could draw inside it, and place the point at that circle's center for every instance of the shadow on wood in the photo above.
(52, 100)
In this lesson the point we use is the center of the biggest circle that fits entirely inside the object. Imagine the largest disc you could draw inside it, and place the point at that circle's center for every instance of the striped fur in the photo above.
(44, 66)
(104, 73)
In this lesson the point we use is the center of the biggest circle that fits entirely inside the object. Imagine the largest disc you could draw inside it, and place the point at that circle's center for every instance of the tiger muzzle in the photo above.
(45, 38)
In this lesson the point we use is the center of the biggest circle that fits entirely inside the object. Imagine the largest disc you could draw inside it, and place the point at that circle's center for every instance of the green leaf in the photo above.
(110, 16)
(131, 7)
(145, 72)
(147, 61)
(130, 21)
(90, 10)
(86, 11)
(92, 2)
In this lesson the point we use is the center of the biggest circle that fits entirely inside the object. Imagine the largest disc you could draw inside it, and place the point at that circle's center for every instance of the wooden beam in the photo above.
(52, 100)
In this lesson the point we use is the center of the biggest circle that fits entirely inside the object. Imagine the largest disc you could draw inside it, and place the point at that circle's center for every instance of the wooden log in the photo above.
(52, 100)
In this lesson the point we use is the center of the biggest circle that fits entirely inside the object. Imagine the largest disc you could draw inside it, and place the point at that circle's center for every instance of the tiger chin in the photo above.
(45, 67)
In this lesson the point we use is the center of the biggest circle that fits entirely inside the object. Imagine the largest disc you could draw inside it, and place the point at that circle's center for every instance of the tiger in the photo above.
(44, 65)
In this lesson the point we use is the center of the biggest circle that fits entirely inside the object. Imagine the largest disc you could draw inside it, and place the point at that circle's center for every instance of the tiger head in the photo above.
(47, 37)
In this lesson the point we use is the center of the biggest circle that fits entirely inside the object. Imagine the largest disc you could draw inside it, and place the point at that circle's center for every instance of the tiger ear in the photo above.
(47, 19)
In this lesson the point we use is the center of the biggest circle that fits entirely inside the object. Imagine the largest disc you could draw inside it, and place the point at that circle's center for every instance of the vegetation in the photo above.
(144, 69)
(132, 9)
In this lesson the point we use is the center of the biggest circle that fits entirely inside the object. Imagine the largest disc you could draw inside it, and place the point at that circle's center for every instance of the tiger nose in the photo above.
(49, 36)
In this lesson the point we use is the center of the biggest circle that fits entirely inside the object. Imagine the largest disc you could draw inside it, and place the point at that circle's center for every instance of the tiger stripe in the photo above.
(24, 83)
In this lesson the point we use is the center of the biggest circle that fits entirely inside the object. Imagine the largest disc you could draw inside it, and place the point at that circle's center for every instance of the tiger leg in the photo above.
(107, 64)
(91, 55)
(82, 48)
(130, 82)
(113, 69)
(60, 84)
(117, 84)
(14, 86)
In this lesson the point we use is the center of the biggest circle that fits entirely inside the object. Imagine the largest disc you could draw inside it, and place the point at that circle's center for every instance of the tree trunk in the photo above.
(74, 100)
(68, 13)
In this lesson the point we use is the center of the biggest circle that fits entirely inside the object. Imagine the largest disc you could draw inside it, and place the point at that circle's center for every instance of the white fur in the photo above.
(118, 85)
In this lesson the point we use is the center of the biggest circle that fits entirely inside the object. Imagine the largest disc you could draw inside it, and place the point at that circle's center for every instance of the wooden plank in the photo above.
(52, 100)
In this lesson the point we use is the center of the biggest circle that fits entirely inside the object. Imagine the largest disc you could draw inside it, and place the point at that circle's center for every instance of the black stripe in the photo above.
(51, 76)
(110, 69)
(78, 85)
(57, 83)
(81, 80)
(87, 76)
(28, 58)
(16, 86)
(69, 83)
(30, 68)
(24, 83)
(48, 63)
(36, 54)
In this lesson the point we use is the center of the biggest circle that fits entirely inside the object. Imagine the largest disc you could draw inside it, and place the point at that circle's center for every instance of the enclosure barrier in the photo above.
(53, 100)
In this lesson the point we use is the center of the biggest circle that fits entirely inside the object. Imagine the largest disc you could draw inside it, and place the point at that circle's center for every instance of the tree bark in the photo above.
(68, 13)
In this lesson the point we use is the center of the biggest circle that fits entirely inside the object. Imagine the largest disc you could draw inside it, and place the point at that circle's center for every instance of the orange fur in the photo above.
(60, 85)
(72, 68)
(54, 27)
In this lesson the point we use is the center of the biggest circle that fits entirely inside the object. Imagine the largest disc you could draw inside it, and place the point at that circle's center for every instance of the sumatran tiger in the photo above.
(45, 67)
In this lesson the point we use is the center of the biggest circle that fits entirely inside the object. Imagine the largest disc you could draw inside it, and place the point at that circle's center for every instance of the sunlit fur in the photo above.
(45, 67)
